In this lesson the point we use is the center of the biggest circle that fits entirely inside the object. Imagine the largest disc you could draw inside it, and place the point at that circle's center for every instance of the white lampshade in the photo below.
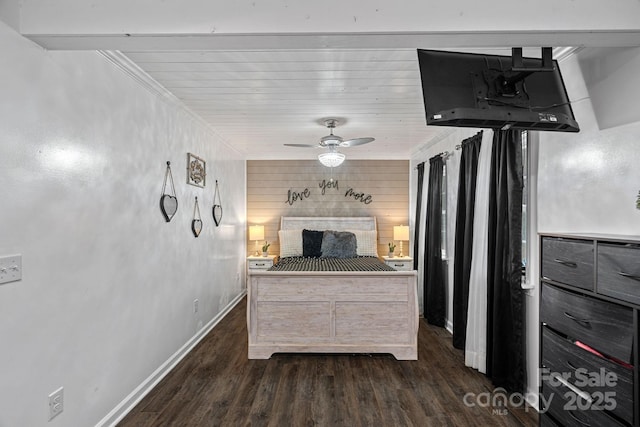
(256, 232)
(401, 232)
(331, 159)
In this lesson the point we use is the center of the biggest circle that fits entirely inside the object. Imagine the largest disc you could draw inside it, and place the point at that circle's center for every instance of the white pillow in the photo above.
(290, 242)
(367, 242)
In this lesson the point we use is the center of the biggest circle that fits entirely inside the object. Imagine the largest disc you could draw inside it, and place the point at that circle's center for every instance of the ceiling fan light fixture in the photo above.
(331, 140)
(331, 159)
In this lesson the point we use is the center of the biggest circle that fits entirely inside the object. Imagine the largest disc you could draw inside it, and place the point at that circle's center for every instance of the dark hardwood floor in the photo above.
(216, 385)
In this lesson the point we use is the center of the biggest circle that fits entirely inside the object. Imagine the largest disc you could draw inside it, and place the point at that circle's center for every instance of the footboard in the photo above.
(333, 312)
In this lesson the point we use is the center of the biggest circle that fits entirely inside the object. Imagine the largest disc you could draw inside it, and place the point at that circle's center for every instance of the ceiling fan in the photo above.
(333, 157)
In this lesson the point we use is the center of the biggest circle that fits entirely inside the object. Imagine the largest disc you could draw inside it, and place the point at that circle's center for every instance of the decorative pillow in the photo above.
(367, 242)
(290, 242)
(339, 244)
(312, 243)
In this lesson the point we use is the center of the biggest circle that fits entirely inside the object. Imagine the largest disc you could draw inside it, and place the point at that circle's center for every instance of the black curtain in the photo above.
(416, 233)
(464, 236)
(434, 284)
(505, 305)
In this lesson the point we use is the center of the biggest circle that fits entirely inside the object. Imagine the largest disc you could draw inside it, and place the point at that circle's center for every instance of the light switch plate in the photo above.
(10, 268)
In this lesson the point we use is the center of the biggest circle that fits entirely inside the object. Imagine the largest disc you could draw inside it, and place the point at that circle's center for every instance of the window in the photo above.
(525, 204)
(525, 187)
(443, 220)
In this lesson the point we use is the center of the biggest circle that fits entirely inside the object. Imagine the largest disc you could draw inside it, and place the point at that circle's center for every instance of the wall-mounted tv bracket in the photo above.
(518, 65)
(505, 84)
(521, 71)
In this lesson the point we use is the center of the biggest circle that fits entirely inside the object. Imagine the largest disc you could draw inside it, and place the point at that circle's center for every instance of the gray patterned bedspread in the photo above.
(364, 263)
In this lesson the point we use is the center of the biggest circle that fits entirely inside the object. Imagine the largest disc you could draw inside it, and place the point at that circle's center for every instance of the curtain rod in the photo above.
(445, 155)
(459, 146)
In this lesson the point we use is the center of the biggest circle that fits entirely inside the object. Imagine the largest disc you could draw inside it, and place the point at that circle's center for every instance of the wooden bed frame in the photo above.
(332, 312)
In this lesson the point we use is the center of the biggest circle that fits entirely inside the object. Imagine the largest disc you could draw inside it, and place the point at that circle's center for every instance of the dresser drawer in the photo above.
(568, 261)
(619, 271)
(589, 373)
(569, 410)
(605, 326)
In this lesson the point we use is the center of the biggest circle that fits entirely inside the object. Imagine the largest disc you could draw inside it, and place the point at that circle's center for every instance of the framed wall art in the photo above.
(196, 170)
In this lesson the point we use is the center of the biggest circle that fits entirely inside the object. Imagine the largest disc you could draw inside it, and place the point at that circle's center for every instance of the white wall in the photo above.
(611, 76)
(589, 181)
(108, 286)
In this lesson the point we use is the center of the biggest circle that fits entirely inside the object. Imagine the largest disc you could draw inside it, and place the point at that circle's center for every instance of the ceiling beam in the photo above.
(440, 40)
(306, 24)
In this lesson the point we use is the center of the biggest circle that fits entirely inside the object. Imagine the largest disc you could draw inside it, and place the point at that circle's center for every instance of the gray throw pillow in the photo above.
(339, 244)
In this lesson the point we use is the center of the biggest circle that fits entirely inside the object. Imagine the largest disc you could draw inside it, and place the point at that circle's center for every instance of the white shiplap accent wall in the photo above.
(269, 181)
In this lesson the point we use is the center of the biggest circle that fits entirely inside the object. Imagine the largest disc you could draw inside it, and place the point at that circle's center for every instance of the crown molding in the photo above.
(130, 68)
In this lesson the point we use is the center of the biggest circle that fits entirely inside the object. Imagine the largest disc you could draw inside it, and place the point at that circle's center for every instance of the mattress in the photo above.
(361, 263)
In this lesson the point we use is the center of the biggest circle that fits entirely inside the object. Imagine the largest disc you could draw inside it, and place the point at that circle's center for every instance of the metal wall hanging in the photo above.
(168, 202)
(217, 208)
(196, 224)
(196, 170)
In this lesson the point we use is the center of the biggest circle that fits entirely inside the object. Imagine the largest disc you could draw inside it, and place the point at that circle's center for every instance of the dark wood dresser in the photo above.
(589, 314)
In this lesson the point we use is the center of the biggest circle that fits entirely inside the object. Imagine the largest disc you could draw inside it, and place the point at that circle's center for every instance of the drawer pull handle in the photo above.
(630, 276)
(566, 263)
(584, 423)
(584, 322)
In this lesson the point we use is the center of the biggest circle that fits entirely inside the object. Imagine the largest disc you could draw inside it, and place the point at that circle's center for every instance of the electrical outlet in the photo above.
(56, 403)
(10, 268)
(195, 305)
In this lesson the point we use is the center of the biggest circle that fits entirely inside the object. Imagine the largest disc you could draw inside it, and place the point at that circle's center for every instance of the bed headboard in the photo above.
(328, 223)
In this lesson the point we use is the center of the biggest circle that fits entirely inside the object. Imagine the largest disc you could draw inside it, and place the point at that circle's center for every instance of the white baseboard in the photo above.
(129, 402)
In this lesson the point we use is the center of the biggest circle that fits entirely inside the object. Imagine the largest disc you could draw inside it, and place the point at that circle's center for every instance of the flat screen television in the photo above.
(487, 91)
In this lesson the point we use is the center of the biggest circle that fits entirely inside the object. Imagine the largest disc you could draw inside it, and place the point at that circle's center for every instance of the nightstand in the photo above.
(404, 263)
(260, 262)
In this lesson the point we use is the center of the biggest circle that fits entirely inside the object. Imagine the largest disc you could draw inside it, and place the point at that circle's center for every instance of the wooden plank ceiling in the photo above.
(257, 100)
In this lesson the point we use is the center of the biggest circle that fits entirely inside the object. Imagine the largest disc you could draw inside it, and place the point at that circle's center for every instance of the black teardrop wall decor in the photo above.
(196, 223)
(216, 211)
(196, 227)
(217, 214)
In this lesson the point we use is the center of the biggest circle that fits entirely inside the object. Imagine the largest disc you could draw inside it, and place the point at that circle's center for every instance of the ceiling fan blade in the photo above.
(356, 141)
(302, 145)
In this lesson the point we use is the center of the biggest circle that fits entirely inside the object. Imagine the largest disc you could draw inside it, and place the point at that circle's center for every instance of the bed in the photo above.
(332, 311)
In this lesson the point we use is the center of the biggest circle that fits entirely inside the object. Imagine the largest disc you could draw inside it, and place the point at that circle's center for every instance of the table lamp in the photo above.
(401, 233)
(256, 232)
